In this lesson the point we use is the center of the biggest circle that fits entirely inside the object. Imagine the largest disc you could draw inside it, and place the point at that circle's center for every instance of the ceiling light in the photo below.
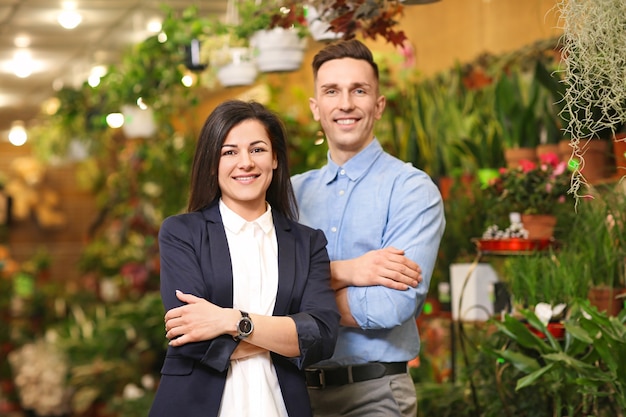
(21, 41)
(17, 134)
(22, 64)
(70, 19)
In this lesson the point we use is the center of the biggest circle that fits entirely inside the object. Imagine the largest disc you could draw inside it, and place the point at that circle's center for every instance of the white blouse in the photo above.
(252, 388)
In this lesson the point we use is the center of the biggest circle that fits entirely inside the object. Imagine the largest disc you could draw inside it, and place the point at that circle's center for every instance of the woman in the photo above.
(246, 288)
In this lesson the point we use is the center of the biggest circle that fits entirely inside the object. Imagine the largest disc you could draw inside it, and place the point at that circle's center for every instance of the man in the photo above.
(382, 218)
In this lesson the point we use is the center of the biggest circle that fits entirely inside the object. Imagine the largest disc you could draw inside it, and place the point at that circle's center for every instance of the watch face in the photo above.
(245, 326)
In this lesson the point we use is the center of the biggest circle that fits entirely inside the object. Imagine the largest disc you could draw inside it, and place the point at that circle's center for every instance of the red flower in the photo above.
(527, 165)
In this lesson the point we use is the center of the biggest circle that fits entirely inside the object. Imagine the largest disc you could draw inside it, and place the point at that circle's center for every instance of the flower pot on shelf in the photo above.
(278, 49)
(539, 226)
(513, 156)
(608, 299)
(548, 148)
(619, 152)
(565, 150)
(595, 163)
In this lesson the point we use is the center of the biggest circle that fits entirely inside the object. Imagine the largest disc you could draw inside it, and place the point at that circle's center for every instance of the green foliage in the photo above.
(516, 105)
(553, 277)
(111, 346)
(578, 376)
(603, 217)
(266, 15)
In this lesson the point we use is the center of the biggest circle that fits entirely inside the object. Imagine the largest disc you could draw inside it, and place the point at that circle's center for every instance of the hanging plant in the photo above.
(369, 18)
(594, 58)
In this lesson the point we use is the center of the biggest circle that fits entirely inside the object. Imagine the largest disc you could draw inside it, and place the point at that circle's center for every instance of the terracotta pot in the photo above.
(595, 159)
(565, 150)
(607, 299)
(513, 156)
(552, 148)
(448, 184)
(619, 152)
(539, 226)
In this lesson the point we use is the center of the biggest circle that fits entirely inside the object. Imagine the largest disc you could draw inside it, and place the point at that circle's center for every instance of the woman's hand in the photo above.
(199, 320)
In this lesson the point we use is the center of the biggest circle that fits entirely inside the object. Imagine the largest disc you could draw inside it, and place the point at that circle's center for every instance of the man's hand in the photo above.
(198, 320)
(387, 267)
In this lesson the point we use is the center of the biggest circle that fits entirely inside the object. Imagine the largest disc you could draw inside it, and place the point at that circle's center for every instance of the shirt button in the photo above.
(342, 172)
(342, 192)
(333, 229)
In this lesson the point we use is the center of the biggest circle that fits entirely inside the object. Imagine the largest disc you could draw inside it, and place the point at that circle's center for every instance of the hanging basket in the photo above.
(319, 28)
(138, 123)
(240, 70)
(278, 49)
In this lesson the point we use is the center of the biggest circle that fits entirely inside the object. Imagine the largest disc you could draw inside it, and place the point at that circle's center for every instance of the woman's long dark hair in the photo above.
(204, 187)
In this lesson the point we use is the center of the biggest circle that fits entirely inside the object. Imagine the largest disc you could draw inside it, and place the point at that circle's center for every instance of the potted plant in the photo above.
(530, 190)
(370, 19)
(582, 375)
(604, 218)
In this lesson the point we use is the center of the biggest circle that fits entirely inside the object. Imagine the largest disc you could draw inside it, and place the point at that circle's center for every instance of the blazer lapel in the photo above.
(221, 277)
(286, 263)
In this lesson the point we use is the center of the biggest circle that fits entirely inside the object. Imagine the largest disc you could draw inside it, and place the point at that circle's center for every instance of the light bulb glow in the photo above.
(70, 19)
(17, 134)
(115, 120)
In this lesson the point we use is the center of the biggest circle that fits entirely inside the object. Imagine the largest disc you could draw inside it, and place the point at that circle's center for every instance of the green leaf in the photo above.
(578, 332)
(519, 360)
(530, 379)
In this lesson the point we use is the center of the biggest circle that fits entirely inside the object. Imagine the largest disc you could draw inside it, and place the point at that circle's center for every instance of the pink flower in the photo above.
(559, 168)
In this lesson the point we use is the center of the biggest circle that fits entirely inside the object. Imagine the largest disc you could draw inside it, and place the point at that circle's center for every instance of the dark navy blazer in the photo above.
(195, 259)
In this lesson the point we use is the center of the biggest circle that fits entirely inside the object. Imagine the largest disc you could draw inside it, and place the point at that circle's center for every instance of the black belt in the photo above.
(342, 375)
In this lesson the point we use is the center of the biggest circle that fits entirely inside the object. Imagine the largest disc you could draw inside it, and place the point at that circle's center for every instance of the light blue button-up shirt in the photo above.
(371, 202)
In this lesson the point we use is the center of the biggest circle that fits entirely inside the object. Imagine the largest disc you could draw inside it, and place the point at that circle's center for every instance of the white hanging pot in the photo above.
(138, 123)
(278, 49)
(240, 70)
(319, 28)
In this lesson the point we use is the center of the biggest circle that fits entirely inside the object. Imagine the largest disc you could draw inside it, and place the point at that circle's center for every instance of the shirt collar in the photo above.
(356, 166)
(235, 223)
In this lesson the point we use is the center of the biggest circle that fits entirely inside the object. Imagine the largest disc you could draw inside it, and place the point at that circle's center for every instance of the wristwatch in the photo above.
(244, 326)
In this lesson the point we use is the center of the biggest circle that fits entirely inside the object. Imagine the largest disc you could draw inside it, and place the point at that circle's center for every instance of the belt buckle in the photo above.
(321, 378)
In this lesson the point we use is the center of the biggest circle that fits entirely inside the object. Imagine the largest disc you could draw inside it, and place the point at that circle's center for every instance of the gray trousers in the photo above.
(389, 396)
